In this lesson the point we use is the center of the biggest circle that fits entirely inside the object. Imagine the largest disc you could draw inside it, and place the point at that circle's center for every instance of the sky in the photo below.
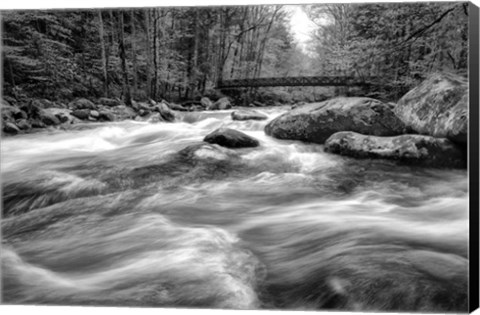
(300, 25)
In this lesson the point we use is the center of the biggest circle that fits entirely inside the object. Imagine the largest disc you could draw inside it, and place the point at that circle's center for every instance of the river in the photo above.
(122, 214)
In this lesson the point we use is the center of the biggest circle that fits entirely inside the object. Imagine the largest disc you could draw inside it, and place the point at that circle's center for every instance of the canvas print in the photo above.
(282, 157)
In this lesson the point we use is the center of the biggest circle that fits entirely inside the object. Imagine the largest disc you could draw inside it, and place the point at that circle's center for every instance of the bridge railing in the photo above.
(295, 81)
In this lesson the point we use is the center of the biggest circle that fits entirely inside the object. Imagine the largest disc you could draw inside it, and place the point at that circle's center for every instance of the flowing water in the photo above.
(144, 214)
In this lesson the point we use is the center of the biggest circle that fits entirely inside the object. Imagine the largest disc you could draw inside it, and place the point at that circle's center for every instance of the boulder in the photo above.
(23, 124)
(143, 112)
(95, 114)
(316, 122)
(106, 116)
(11, 113)
(205, 102)
(10, 127)
(165, 112)
(178, 107)
(223, 103)
(81, 103)
(64, 115)
(409, 149)
(82, 114)
(36, 123)
(109, 101)
(48, 118)
(32, 110)
(43, 103)
(248, 115)
(437, 107)
(231, 138)
(123, 112)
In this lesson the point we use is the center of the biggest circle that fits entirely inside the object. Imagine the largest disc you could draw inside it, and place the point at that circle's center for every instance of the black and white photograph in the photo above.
(293, 157)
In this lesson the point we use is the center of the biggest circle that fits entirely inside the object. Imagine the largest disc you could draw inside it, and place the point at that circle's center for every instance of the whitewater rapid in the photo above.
(125, 213)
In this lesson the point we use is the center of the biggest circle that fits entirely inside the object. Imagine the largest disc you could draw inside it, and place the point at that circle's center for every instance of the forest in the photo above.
(180, 53)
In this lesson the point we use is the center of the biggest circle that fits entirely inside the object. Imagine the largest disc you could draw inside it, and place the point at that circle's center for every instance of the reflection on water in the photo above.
(140, 214)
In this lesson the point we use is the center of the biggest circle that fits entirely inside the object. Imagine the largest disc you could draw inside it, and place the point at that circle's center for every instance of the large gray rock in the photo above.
(81, 103)
(223, 103)
(11, 128)
(438, 107)
(48, 118)
(109, 101)
(248, 115)
(12, 113)
(230, 138)
(206, 102)
(165, 112)
(316, 122)
(81, 114)
(410, 149)
(123, 112)
(64, 115)
(23, 124)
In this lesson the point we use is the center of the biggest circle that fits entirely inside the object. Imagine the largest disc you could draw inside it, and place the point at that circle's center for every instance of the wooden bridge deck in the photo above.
(295, 81)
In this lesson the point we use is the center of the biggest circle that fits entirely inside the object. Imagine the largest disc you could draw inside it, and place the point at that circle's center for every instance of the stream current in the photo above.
(123, 214)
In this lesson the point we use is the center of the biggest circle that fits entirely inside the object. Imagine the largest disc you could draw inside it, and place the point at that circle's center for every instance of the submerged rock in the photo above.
(411, 149)
(438, 107)
(316, 122)
(230, 138)
(248, 115)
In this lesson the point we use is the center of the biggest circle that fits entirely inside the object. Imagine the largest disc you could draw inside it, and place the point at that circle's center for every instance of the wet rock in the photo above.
(438, 107)
(258, 104)
(32, 110)
(316, 122)
(178, 107)
(10, 127)
(48, 118)
(123, 112)
(106, 116)
(36, 123)
(165, 112)
(205, 102)
(409, 149)
(23, 124)
(12, 113)
(231, 138)
(109, 101)
(248, 115)
(43, 103)
(63, 115)
(81, 103)
(94, 114)
(221, 104)
(143, 112)
(82, 114)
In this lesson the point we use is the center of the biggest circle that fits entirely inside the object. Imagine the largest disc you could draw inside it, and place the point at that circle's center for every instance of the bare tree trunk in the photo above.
(121, 46)
(134, 53)
(104, 57)
(148, 72)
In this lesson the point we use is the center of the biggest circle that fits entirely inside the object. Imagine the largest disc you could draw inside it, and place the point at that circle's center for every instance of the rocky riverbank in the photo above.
(428, 126)
(34, 115)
